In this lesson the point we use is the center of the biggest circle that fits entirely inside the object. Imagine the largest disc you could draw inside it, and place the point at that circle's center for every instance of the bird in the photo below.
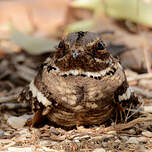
(82, 84)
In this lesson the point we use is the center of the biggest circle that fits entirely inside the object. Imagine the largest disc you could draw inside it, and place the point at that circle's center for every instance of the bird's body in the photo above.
(81, 85)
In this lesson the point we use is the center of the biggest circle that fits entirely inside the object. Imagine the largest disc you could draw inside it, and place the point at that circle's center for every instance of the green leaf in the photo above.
(87, 4)
(85, 25)
(138, 11)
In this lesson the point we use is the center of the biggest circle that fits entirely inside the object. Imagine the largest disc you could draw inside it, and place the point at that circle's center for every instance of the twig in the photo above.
(8, 98)
(25, 72)
(128, 125)
(140, 91)
(13, 106)
(140, 76)
(5, 74)
(118, 127)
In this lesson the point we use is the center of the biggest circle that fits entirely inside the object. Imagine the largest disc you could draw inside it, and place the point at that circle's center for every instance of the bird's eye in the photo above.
(100, 46)
(61, 45)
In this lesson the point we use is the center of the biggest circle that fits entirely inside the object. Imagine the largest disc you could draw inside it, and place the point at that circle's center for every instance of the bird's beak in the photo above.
(76, 53)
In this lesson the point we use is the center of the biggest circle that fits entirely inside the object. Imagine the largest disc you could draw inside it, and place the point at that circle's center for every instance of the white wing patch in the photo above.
(40, 97)
(126, 95)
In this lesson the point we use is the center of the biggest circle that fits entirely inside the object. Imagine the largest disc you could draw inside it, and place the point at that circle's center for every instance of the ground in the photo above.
(18, 69)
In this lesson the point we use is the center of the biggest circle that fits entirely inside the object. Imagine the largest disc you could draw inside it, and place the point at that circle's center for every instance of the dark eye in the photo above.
(61, 45)
(42, 65)
(49, 68)
(100, 46)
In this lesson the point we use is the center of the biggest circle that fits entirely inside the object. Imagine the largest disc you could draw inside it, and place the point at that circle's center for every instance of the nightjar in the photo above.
(83, 84)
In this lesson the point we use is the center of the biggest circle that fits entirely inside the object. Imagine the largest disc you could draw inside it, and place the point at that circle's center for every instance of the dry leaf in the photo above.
(30, 44)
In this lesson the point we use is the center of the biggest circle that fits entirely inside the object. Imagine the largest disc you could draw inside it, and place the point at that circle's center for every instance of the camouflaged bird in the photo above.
(83, 84)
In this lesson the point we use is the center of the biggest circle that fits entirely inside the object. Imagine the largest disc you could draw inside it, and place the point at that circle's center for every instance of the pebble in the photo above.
(7, 133)
(76, 140)
(141, 148)
(133, 140)
(45, 143)
(98, 138)
(108, 136)
(104, 144)
(18, 122)
(86, 137)
(124, 138)
(23, 134)
(112, 132)
(50, 150)
(54, 131)
(67, 141)
(104, 137)
(16, 149)
(132, 131)
(117, 141)
(99, 150)
(142, 139)
(147, 133)
(21, 138)
(1, 133)
(24, 131)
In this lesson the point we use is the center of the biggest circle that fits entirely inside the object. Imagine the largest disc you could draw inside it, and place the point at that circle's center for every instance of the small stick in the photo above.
(5, 74)
(8, 98)
(13, 106)
(147, 60)
(146, 48)
(140, 76)
(128, 125)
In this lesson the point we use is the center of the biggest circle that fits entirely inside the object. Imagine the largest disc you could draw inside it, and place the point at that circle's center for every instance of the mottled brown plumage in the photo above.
(81, 85)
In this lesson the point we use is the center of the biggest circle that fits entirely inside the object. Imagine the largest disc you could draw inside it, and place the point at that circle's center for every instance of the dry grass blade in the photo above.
(120, 127)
